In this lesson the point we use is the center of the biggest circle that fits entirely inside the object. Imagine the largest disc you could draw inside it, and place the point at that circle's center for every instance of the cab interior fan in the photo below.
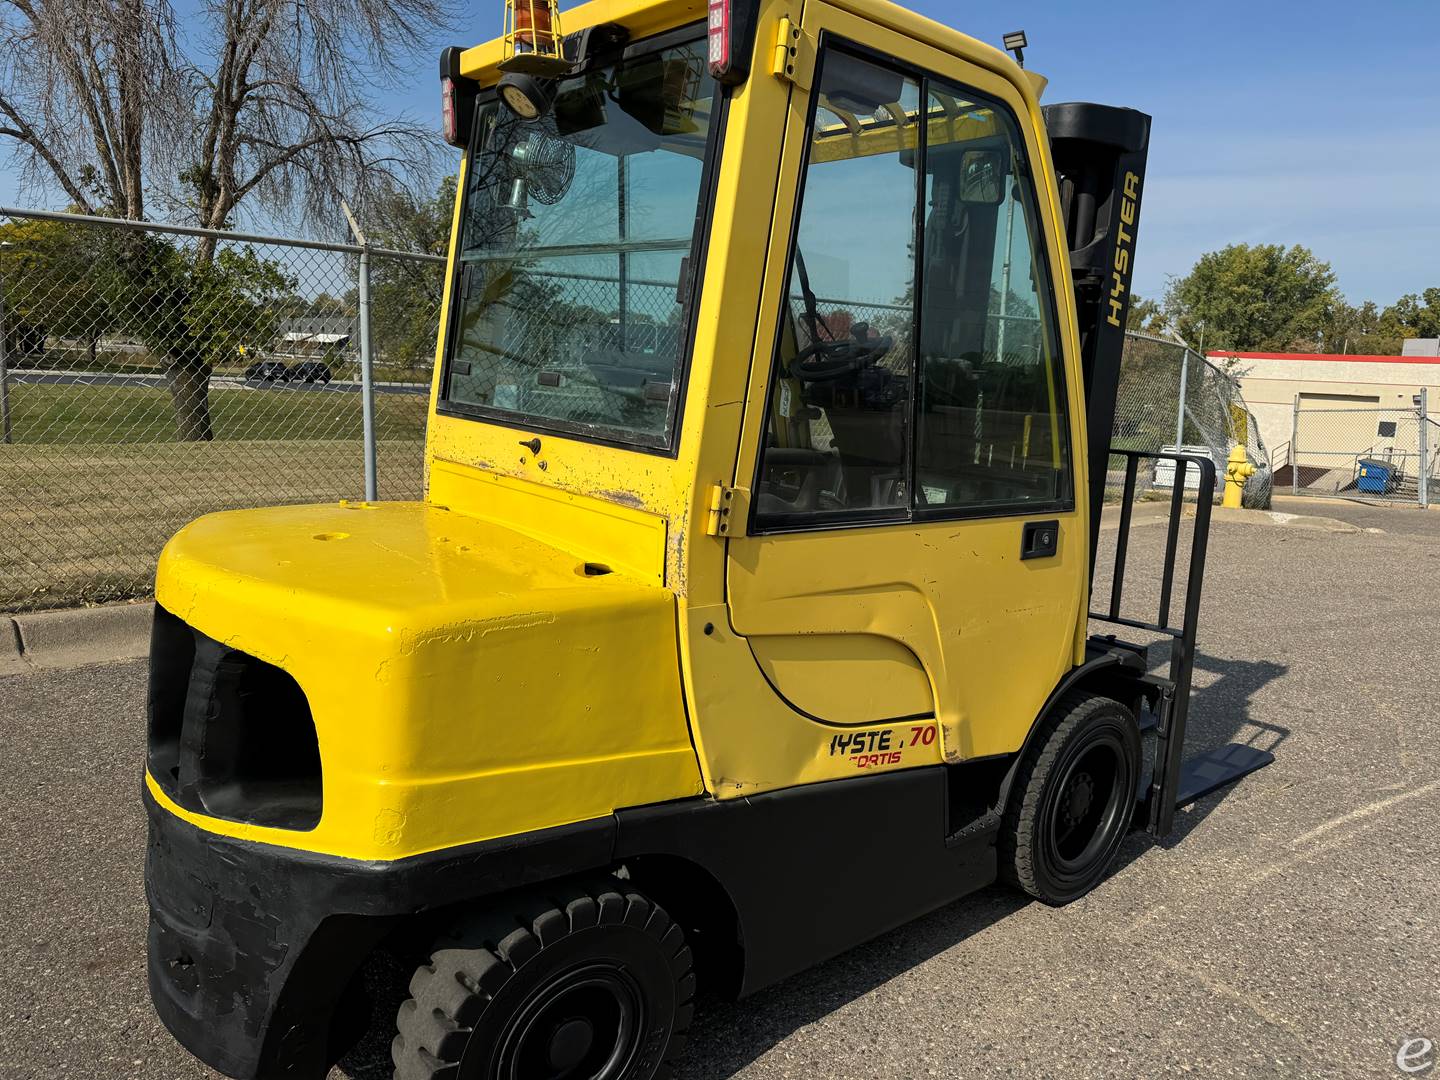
(544, 168)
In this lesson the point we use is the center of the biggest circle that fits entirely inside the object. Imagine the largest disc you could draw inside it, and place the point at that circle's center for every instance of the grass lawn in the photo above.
(43, 413)
(96, 482)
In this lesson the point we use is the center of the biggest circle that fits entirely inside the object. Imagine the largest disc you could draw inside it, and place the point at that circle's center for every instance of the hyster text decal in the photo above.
(868, 749)
(1124, 245)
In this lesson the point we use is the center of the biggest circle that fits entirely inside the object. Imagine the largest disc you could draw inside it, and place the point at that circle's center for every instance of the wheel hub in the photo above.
(584, 1024)
(1078, 798)
(570, 1042)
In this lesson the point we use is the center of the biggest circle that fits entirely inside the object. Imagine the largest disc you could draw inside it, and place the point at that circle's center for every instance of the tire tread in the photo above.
(479, 954)
(1016, 848)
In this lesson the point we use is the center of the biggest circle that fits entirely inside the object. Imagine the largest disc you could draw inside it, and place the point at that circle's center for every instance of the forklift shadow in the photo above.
(729, 1035)
(1219, 714)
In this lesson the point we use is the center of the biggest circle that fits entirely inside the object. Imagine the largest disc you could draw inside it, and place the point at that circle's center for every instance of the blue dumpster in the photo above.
(1376, 477)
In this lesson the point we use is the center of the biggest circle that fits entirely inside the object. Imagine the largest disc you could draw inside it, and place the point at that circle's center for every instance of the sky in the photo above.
(1275, 121)
(1311, 122)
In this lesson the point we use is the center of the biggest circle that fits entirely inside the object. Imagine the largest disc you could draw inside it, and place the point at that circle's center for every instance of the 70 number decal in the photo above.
(867, 749)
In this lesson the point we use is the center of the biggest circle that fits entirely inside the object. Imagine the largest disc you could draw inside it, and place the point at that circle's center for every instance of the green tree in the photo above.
(405, 294)
(1361, 328)
(1262, 297)
(194, 314)
(48, 286)
(250, 103)
(323, 305)
(1146, 315)
(1413, 316)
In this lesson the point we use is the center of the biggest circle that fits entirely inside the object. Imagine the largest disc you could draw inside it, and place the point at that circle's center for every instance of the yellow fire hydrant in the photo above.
(1237, 471)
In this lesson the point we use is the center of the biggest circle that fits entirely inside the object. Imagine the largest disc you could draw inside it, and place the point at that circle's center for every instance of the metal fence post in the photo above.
(1180, 411)
(1295, 449)
(367, 376)
(5, 432)
(1424, 486)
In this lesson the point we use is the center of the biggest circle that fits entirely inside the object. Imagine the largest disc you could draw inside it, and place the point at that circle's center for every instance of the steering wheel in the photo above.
(824, 361)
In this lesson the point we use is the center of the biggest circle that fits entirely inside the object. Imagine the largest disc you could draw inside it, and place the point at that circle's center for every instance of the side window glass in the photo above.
(837, 436)
(991, 429)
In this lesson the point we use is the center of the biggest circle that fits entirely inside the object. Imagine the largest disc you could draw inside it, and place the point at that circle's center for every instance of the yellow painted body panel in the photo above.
(994, 635)
(753, 741)
(845, 678)
(469, 681)
(992, 632)
(466, 680)
(597, 530)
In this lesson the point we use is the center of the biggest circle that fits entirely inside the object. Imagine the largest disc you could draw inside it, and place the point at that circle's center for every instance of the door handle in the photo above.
(1039, 540)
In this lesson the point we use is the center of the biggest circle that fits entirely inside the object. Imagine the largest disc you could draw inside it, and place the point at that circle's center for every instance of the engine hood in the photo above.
(403, 564)
(466, 680)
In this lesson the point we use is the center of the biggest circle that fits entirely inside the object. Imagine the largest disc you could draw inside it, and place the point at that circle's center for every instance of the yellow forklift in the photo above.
(746, 615)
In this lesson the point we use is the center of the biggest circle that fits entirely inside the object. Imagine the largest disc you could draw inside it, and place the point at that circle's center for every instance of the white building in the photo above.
(1271, 383)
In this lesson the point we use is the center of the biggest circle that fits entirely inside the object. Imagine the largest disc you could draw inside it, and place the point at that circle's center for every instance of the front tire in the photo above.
(1072, 801)
(594, 983)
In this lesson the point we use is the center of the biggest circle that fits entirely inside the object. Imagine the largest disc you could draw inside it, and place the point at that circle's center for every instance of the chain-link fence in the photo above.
(1171, 398)
(150, 374)
(1372, 454)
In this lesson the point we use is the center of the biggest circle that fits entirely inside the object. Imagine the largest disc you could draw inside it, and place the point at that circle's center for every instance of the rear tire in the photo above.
(1072, 801)
(594, 982)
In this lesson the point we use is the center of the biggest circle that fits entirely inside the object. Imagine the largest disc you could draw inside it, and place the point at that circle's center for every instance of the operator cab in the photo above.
(986, 429)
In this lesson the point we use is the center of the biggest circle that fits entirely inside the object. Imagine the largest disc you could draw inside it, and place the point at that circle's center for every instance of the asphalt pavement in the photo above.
(1289, 928)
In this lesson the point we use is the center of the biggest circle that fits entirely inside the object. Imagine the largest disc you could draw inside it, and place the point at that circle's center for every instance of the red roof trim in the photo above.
(1338, 358)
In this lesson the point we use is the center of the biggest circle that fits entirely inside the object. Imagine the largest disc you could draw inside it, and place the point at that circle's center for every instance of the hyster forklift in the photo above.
(746, 613)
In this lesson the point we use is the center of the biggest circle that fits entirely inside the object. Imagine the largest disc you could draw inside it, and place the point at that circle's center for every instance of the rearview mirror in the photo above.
(982, 177)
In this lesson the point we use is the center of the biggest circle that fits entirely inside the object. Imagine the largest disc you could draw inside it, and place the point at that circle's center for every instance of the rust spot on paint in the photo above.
(950, 743)
(624, 498)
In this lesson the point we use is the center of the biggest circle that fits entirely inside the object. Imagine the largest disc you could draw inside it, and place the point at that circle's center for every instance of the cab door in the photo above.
(912, 549)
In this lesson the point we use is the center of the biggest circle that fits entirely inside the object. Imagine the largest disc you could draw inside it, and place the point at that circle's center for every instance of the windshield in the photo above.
(575, 252)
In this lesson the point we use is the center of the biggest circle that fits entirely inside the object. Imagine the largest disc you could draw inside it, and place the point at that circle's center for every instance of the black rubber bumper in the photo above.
(252, 947)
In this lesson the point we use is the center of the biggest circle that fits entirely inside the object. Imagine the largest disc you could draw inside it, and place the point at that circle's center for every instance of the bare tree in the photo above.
(87, 88)
(259, 101)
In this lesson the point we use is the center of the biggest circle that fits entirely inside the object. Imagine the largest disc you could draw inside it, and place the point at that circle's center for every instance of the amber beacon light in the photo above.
(533, 43)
